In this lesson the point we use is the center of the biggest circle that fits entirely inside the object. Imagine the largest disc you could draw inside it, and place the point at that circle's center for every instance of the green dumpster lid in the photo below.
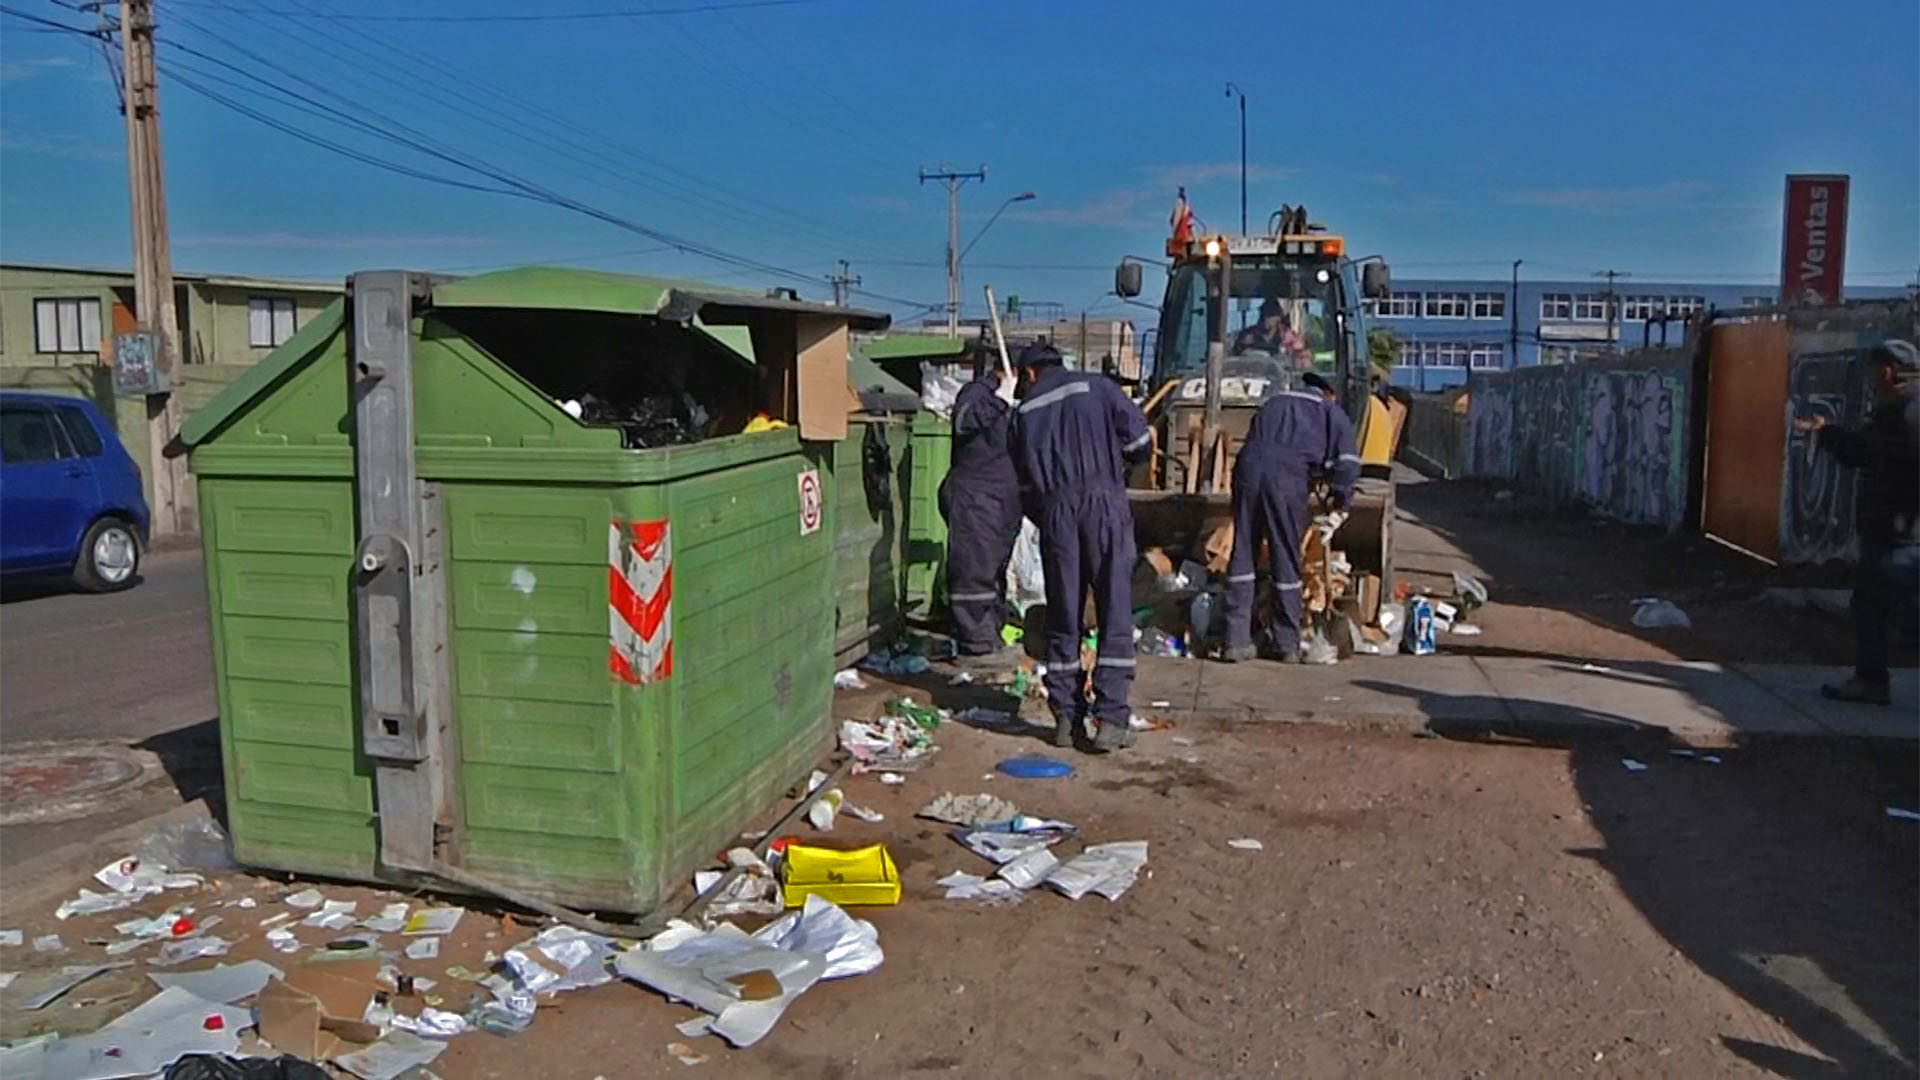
(715, 309)
(898, 346)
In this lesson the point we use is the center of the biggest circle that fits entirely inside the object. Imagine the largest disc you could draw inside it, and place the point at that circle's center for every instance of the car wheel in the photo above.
(109, 557)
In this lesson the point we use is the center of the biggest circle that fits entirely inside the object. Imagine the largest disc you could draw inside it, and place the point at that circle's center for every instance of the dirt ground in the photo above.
(1564, 585)
(1421, 907)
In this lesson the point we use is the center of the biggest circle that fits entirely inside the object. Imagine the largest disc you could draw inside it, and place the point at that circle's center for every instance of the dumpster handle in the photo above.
(657, 921)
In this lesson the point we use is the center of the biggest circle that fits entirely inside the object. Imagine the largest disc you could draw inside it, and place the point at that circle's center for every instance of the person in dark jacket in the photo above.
(1073, 435)
(1294, 435)
(1885, 450)
(980, 501)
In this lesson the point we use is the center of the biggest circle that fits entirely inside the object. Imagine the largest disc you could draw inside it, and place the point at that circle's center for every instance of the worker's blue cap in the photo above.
(1039, 354)
(1904, 358)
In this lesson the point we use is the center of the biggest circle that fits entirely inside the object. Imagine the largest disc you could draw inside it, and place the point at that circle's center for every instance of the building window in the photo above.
(1756, 301)
(1401, 305)
(1409, 353)
(1556, 354)
(1641, 308)
(1686, 305)
(66, 326)
(1556, 306)
(1490, 357)
(1447, 305)
(1489, 305)
(1443, 354)
(269, 321)
(1591, 307)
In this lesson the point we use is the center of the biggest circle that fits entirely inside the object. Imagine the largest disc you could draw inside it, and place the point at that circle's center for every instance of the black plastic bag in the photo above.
(216, 1067)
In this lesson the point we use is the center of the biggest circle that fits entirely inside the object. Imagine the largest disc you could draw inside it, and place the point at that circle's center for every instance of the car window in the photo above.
(28, 435)
(80, 432)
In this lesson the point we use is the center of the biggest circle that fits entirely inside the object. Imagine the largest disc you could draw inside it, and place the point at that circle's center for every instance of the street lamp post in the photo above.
(1025, 196)
(1233, 91)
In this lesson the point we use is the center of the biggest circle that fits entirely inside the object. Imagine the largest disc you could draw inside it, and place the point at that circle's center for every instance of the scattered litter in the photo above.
(440, 920)
(902, 662)
(1710, 759)
(245, 903)
(862, 876)
(969, 809)
(745, 982)
(305, 898)
(185, 949)
(1160, 705)
(1653, 613)
(1184, 740)
(49, 943)
(282, 939)
(1246, 843)
(892, 779)
(826, 803)
(892, 743)
(685, 1054)
(93, 903)
(390, 920)
(433, 1023)
(1598, 669)
(1107, 869)
(1035, 767)
(1419, 636)
(200, 844)
(1005, 847)
(333, 915)
(964, 886)
(1901, 814)
(424, 949)
(754, 891)
(848, 679)
(12, 938)
(1632, 765)
(171, 1025)
(1471, 592)
(863, 813)
(318, 1011)
(131, 875)
(394, 1053)
(964, 678)
(1030, 869)
(1465, 629)
(224, 983)
(38, 988)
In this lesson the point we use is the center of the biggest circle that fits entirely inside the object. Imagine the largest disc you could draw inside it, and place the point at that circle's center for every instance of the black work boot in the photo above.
(1113, 735)
(1868, 691)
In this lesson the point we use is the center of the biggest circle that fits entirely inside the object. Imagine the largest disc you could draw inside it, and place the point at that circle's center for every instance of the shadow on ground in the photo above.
(190, 757)
(1777, 871)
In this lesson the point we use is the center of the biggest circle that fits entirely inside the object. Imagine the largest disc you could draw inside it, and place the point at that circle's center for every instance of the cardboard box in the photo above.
(318, 1010)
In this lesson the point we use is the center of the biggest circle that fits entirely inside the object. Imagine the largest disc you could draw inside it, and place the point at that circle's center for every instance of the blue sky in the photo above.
(1646, 137)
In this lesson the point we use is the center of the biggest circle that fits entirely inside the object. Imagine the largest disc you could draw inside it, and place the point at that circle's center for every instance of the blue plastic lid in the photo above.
(1035, 767)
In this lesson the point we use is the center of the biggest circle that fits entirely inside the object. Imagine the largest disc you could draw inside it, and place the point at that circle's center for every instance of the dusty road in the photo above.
(125, 666)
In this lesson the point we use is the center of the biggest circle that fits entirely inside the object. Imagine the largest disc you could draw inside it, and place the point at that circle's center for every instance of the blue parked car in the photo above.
(71, 500)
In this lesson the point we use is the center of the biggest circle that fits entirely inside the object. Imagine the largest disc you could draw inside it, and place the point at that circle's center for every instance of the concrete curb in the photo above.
(54, 875)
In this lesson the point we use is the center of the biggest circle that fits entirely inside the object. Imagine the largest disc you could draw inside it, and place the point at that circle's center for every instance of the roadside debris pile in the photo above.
(899, 742)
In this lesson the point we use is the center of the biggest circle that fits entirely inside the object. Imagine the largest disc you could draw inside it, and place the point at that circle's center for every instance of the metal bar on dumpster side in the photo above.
(395, 645)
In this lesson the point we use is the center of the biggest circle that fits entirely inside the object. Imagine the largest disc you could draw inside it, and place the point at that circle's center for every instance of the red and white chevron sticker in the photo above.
(640, 601)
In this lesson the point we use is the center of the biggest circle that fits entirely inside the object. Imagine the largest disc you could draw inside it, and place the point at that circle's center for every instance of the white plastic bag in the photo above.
(937, 393)
(1026, 581)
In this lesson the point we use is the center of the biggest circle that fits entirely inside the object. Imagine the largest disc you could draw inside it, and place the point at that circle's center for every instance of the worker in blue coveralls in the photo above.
(1295, 435)
(980, 500)
(1073, 435)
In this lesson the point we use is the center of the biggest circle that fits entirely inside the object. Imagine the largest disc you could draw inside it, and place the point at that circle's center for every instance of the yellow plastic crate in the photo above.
(861, 876)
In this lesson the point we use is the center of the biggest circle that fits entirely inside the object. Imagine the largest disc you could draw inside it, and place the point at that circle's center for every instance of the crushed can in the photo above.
(1419, 637)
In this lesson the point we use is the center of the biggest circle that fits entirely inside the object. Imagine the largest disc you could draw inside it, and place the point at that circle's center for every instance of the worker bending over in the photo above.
(1072, 437)
(1295, 435)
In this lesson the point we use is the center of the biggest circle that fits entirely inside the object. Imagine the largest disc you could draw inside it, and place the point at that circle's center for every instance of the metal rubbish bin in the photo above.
(462, 636)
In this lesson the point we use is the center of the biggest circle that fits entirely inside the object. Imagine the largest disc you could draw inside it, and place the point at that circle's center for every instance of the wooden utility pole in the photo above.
(154, 308)
(953, 181)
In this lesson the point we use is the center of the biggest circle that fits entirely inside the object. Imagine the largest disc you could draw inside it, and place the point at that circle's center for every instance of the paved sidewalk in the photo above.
(1697, 703)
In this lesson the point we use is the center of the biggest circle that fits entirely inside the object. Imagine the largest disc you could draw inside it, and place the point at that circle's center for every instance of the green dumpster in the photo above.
(461, 636)
(869, 486)
(901, 356)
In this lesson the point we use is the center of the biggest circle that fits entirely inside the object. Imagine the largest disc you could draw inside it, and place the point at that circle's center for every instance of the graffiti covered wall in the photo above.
(1611, 437)
(1827, 377)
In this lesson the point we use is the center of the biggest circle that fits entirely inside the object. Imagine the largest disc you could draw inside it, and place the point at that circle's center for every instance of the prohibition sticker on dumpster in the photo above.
(811, 505)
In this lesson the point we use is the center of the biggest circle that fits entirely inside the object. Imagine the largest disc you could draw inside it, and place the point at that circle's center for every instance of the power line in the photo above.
(548, 16)
(52, 24)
